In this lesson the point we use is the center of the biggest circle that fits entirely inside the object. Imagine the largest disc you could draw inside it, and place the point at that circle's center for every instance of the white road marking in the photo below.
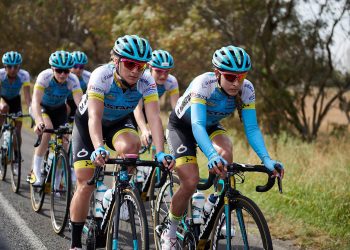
(20, 223)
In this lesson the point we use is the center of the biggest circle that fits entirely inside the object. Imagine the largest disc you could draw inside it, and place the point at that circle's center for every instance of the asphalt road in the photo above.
(22, 228)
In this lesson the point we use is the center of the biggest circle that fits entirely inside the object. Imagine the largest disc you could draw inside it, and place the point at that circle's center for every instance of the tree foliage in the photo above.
(290, 50)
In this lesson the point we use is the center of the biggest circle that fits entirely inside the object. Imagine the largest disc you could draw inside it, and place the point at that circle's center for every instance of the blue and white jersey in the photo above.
(83, 80)
(55, 94)
(171, 85)
(118, 102)
(205, 89)
(11, 90)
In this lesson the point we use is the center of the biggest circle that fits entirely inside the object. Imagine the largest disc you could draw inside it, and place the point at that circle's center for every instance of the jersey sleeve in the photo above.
(25, 78)
(200, 89)
(148, 88)
(74, 84)
(98, 83)
(43, 80)
(248, 95)
(172, 85)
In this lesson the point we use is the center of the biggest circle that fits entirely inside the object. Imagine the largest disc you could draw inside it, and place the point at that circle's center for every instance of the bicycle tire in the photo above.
(15, 177)
(162, 205)
(3, 158)
(37, 194)
(255, 225)
(60, 193)
(132, 197)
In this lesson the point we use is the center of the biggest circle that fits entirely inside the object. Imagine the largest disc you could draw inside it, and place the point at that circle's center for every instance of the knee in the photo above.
(226, 151)
(83, 188)
(129, 147)
(190, 185)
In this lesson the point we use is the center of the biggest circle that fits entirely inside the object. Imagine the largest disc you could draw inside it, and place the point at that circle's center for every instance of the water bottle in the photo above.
(49, 159)
(107, 198)
(99, 194)
(198, 200)
(6, 139)
(209, 203)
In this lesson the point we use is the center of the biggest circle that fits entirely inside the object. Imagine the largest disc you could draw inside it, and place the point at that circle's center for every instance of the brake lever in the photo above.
(278, 168)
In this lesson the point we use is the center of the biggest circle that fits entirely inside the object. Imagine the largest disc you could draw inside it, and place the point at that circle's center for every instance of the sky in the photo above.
(309, 11)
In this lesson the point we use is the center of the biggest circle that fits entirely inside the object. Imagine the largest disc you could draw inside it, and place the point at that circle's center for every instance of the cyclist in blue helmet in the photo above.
(104, 118)
(159, 68)
(195, 120)
(12, 80)
(49, 110)
(80, 61)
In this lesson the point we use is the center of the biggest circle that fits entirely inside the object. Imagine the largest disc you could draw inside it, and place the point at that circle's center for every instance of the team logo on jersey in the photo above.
(82, 153)
(181, 149)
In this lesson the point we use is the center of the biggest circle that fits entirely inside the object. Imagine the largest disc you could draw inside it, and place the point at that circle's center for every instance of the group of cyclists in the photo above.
(121, 97)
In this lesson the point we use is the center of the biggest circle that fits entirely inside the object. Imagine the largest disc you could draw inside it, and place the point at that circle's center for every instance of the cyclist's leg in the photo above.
(16, 107)
(40, 151)
(82, 149)
(4, 109)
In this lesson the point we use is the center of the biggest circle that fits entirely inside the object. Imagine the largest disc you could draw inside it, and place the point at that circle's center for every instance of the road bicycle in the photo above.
(56, 176)
(10, 152)
(124, 223)
(233, 210)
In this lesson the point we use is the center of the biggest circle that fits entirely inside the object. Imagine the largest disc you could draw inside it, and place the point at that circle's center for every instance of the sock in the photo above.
(172, 227)
(77, 229)
(37, 162)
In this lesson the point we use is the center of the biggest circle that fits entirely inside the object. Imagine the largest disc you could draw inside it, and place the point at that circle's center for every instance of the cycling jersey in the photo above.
(204, 89)
(171, 85)
(83, 80)
(203, 105)
(55, 94)
(118, 102)
(12, 90)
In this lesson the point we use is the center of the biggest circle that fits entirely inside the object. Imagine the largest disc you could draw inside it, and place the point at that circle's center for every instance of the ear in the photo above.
(217, 74)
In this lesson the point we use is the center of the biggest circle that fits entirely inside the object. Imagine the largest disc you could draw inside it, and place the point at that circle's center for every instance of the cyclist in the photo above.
(105, 112)
(80, 60)
(159, 68)
(12, 79)
(196, 120)
(48, 107)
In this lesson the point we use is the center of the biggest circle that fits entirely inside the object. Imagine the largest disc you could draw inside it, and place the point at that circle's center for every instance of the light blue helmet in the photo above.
(79, 57)
(61, 59)
(162, 59)
(12, 58)
(232, 58)
(133, 47)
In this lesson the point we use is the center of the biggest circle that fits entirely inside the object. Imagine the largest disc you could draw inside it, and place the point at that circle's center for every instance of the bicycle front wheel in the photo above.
(3, 157)
(16, 161)
(130, 207)
(60, 192)
(249, 229)
(37, 194)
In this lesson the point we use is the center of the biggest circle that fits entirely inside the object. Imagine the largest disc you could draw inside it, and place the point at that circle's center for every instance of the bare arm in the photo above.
(141, 122)
(95, 109)
(77, 97)
(36, 107)
(153, 117)
(173, 99)
(27, 97)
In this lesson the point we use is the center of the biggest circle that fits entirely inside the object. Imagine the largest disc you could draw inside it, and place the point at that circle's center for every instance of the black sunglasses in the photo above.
(79, 66)
(12, 66)
(60, 71)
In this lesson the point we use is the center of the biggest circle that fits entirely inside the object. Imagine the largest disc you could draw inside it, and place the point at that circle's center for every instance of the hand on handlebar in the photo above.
(39, 128)
(166, 159)
(272, 164)
(216, 165)
(146, 138)
(99, 156)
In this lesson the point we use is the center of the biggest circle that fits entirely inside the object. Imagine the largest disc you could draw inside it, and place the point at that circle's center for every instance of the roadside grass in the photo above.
(314, 209)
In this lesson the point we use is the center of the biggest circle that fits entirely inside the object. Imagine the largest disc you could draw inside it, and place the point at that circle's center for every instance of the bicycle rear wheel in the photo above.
(37, 194)
(249, 229)
(3, 157)
(16, 161)
(162, 206)
(130, 203)
(60, 192)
